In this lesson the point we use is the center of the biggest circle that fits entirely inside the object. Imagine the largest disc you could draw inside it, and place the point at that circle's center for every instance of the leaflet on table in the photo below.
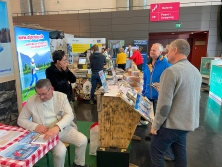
(143, 106)
(103, 80)
(131, 94)
(33, 138)
(19, 151)
(8, 136)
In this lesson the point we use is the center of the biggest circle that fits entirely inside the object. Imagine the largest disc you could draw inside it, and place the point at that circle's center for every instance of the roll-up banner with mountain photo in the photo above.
(6, 61)
(33, 51)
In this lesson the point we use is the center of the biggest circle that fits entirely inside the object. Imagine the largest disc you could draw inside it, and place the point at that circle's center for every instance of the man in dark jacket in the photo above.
(60, 76)
(97, 61)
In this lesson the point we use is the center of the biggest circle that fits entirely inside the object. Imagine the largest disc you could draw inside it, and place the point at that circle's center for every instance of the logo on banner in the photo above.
(164, 11)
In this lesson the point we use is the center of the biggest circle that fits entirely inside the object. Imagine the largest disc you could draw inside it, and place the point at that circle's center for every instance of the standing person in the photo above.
(97, 61)
(60, 76)
(152, 72)
(166, 51)
(121, 59)
(106, 53)
(52, 115)
(34, 75)
(103, 50)
(140, 49)
(129, 51)
(177, 110)
(137, 59)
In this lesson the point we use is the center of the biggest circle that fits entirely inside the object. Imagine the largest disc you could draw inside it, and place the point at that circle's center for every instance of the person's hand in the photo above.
(51, 133)
(157, 86)
(153, 131)
(41, 129)
(63, 66)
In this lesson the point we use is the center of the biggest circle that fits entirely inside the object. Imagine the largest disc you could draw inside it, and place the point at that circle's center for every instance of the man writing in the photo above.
(177, 110)
(52, 115)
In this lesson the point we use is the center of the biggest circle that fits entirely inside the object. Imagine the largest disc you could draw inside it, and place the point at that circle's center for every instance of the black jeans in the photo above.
(123, 66)
(140, 67)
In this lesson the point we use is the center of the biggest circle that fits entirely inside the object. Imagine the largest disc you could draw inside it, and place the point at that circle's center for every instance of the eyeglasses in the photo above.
(43, 94)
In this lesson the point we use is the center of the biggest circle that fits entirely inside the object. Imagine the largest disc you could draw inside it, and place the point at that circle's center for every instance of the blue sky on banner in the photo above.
(4, 16)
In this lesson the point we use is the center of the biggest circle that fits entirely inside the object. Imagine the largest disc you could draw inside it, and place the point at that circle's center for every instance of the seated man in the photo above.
(52, 114)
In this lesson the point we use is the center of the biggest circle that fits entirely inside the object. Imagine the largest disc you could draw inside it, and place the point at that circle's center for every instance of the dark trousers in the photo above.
(123, 66)
(161, 142)
(94, 80)
(140, 67)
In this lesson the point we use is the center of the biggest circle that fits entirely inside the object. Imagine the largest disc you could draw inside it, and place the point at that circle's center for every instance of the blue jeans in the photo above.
(162, 141)
(94, 80)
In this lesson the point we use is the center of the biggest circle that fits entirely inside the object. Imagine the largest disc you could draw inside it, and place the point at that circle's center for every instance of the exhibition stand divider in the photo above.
(10, 103)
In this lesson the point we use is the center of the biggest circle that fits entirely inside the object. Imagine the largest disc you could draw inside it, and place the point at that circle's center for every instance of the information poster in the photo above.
(6, 63)
(144, 45)
(33, 50)
(216, 83)
(205, 66)
(80, 45)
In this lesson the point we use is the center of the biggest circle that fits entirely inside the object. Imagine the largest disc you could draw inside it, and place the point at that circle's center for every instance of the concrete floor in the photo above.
(204, 146)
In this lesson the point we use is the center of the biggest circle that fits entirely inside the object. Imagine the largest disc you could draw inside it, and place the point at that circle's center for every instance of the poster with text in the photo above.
(6, 63)
(33, 51)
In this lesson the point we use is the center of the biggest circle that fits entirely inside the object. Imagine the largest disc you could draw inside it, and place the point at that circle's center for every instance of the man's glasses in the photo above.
(43, 94)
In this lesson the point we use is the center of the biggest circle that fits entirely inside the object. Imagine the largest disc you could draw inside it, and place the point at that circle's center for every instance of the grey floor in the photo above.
(204, 146)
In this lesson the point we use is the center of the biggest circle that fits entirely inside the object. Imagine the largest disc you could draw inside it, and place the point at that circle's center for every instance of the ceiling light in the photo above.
(191, 32)
(173, 33)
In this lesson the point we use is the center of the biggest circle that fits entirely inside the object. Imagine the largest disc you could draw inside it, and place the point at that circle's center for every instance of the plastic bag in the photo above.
(94, 138)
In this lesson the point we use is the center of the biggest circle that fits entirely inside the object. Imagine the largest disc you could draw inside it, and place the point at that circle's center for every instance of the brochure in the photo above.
(143, 106)
(33, 138)
(19, 151)
(103, 80)
(8, 136)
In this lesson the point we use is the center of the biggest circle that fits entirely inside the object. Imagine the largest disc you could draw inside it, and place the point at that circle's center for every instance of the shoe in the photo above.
(142, 123)
(74, 165)
(91, 102)
(136, 138)
(167, 158)
(148, 137)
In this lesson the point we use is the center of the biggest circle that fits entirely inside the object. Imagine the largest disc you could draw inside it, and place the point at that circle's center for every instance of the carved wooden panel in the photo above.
(117, 122)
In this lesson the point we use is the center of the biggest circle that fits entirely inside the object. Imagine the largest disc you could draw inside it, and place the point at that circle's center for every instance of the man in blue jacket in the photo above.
(152, 72)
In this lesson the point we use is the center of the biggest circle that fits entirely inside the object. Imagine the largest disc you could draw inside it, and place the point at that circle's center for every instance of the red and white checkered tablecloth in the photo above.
(37, 155)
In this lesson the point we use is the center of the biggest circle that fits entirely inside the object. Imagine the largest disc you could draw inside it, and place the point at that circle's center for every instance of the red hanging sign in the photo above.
(164, 11)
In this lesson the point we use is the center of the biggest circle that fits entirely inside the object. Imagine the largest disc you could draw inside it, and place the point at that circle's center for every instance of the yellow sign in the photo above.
(80, 48)
(99, 44)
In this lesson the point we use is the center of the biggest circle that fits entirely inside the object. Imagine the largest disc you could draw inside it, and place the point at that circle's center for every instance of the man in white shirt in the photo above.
(52, 115)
